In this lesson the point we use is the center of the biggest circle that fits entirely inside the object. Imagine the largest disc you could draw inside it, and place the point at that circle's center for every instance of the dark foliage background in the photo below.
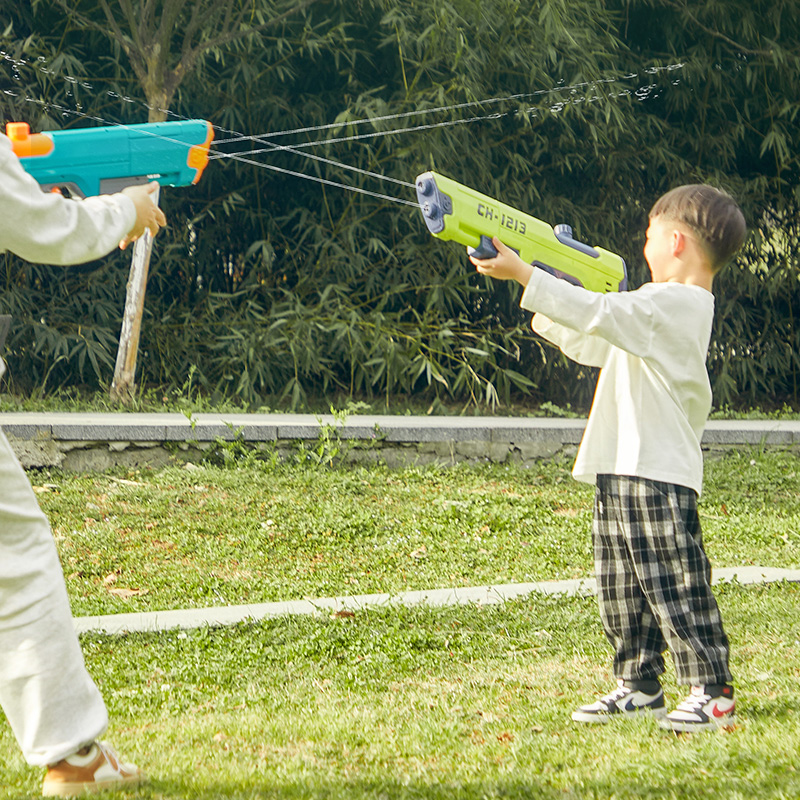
(269, 289)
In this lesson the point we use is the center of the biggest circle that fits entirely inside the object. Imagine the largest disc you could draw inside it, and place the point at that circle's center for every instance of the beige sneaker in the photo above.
(89, 772)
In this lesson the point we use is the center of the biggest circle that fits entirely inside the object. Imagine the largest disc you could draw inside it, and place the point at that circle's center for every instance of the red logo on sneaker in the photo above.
(717, 712)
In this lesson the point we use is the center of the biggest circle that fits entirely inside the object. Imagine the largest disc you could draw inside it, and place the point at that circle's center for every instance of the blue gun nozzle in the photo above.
(433, 203)
(425, 187)
(431, 211)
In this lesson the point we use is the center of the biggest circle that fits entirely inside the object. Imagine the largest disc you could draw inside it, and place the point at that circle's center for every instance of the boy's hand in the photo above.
(505, 266)
(148, 215)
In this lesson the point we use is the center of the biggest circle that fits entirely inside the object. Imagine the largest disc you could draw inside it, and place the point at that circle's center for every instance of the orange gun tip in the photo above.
(26, 144)
(198, 154)
(18, 131)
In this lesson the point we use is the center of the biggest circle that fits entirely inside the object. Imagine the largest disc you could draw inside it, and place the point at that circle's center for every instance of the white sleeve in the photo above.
(591, 351)
(50, 229)
(621, 319)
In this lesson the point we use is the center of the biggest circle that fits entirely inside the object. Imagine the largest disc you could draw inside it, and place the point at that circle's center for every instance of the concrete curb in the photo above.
(132, 427)
(85, 442)
(186, 619)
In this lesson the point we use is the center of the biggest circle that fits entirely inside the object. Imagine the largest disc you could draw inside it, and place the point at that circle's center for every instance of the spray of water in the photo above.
(633, 86)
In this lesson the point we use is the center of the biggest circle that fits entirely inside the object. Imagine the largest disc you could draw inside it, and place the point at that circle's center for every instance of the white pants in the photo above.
(51, 702)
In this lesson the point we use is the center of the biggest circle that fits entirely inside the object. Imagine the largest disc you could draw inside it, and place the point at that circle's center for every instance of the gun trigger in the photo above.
(484, 250)
(557, 273)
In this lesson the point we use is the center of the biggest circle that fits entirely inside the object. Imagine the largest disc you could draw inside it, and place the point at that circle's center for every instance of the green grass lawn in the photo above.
(177, 538)
(422, 703)
(461, 702)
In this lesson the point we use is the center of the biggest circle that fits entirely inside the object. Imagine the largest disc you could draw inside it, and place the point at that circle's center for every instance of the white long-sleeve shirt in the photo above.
(46, 228)
(653, 395)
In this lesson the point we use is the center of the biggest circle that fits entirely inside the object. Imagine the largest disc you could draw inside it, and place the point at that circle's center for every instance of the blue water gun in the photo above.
(89, 161)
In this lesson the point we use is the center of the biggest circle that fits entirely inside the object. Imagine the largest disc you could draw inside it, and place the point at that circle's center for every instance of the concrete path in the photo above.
(154, 621)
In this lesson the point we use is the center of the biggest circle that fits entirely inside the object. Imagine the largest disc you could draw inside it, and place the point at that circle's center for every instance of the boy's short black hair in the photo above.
(710, 213)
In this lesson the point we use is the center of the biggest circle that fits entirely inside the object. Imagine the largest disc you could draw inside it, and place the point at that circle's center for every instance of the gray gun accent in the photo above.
(114, 185)
(563, 233)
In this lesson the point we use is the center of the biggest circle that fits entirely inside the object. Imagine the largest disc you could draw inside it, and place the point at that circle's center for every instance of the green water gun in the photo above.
(454, 212)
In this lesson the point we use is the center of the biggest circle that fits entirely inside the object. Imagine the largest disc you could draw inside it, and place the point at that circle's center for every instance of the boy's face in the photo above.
(659, 248)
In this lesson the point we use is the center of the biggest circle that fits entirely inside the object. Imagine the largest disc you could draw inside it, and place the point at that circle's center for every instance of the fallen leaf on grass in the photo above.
(45, 488)
(222, 739)
(564, 511)
(125, 482)
(420, 552)
(126, 594)
(343, 614)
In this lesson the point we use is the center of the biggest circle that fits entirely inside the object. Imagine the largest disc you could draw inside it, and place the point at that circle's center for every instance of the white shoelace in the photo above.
(695, 701)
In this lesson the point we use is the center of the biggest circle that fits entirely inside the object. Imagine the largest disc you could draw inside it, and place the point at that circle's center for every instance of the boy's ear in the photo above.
(678, 242)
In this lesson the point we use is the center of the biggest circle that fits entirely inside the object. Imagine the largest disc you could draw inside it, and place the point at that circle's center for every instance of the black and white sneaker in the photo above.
(709, 707)
(624, 701)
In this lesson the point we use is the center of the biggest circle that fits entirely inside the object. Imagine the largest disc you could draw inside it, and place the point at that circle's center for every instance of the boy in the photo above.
(641, 448)
(53, 706)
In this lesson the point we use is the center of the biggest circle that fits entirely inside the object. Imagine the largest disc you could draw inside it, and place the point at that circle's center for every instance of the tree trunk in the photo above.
(123, 386)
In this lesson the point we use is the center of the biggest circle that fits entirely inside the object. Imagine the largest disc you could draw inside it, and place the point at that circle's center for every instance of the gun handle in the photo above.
(486, 249)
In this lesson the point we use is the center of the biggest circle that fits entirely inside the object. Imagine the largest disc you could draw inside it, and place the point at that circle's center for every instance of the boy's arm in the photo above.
(47, 228)
(591, 351)
(619, 319)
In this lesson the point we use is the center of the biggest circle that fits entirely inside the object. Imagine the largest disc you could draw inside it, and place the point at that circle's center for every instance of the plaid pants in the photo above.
(654, 582)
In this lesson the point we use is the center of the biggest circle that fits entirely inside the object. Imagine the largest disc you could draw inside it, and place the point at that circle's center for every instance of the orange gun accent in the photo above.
(25, 144)
(198, 154)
